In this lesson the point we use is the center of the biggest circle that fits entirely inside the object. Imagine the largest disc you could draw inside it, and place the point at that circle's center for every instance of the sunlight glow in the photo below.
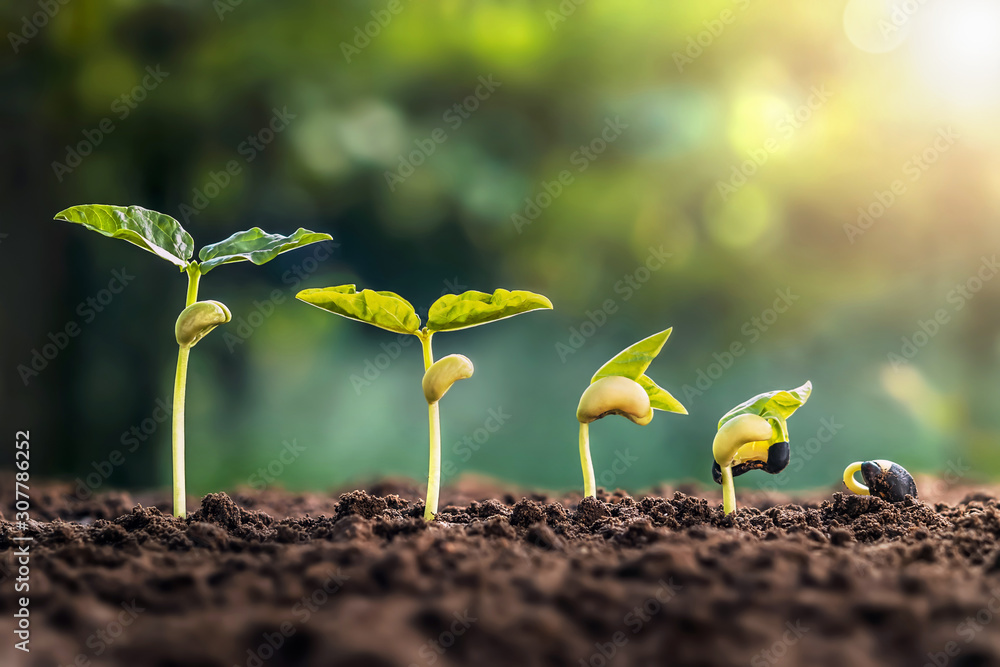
(876, 26)
(957, 48)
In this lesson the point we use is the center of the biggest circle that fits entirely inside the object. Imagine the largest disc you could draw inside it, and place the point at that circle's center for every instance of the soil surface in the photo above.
(360, 580)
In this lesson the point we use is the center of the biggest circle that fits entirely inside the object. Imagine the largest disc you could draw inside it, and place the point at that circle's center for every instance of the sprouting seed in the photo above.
(754, 436)
(620, 387)
(883, 479)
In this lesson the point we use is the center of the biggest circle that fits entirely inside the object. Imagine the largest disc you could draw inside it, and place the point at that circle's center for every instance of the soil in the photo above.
(360, 580)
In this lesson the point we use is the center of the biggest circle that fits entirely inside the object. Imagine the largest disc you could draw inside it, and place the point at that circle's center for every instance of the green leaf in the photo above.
(461, 311)
(156, 232)
(774, 406)
(255, 245)
(632, 363)
(660, 398)
(385, 310)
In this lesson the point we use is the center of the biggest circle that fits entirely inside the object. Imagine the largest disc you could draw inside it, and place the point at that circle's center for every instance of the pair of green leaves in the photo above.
(389, 311)
(632, 363)
(163, 236)
(774, 406)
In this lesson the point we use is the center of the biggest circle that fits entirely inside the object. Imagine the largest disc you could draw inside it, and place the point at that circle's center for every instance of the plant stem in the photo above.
(180, 392)
(425, 342)
(434, 469)
(434, 421)
(589, 483)
(728, 490)
(177, 444)
(194, 277)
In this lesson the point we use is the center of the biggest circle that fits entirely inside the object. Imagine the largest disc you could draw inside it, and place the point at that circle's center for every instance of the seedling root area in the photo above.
(361, 579)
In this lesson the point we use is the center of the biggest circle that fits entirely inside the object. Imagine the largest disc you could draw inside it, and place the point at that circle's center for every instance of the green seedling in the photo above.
(451, 312)
(620, 387)
(754, 436)
(166, 238)
(883, 479)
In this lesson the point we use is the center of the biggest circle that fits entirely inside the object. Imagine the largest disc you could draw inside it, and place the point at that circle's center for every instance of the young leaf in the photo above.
(470, 309)
(255, 245)
(660, 398)
(774, 406)
(632, 363)
(156, 232)
(385, 310)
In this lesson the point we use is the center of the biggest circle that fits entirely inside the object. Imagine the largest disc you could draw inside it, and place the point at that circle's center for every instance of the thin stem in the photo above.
(434, 469)
(180, 394)
(194, 277)
(728, 490)
(589, 483)
(425, 342)
(434, 421)
(177, 448)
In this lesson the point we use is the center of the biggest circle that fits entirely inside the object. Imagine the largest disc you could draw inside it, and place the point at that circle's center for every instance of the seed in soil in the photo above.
(754, 436)
(883, 479)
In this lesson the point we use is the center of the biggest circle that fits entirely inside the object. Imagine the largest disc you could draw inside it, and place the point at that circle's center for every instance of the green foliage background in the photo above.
(448, 227)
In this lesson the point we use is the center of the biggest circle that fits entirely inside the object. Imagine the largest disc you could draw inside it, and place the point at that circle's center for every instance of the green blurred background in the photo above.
(742, 139)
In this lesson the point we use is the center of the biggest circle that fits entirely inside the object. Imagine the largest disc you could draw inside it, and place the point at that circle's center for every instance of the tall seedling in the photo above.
(163, 236)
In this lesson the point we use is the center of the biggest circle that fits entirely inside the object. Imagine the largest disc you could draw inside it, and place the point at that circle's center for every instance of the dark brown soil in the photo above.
(361, 580)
